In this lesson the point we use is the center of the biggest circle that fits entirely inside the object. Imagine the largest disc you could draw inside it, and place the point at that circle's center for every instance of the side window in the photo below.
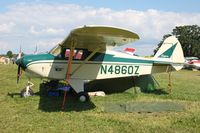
(67, 53)
(78, 54)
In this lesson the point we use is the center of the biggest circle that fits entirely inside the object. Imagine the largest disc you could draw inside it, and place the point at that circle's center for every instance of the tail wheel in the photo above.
(83, 97)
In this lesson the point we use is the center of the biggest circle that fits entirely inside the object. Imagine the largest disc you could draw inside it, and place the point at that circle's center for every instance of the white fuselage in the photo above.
(89, 70)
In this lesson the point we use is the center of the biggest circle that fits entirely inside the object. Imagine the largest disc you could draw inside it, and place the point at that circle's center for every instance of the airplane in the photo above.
(86, 54)
(195, 64)
(129, 50)
(192, 63)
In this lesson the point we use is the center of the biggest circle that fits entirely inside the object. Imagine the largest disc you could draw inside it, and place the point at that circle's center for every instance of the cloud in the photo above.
(4, 46)
(49, 43)
(6, 27)
(37, 23)
(46, 31)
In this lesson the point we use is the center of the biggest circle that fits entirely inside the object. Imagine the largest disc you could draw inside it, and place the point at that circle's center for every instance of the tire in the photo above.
(24, 94)
(83, 97)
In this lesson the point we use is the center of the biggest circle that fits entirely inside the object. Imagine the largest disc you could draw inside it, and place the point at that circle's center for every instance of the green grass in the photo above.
(42, 114)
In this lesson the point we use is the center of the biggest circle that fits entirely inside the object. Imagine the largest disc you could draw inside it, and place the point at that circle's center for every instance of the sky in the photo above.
(45, 23)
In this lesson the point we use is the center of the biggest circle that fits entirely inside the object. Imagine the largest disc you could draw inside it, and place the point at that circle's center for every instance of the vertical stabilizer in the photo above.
(171, 52)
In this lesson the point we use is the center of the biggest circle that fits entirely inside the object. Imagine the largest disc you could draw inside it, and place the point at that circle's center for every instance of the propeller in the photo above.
(18, 72)
(18, 62)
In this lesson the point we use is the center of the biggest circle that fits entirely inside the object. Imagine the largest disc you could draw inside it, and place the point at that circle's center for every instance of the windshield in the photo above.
(55, 50)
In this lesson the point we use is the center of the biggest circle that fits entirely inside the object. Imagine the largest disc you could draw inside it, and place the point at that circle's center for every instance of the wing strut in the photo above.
(68, 70)
(70, 62)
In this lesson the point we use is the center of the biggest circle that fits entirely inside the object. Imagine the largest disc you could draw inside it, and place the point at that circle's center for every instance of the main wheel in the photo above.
(25, 93)
(83, 97)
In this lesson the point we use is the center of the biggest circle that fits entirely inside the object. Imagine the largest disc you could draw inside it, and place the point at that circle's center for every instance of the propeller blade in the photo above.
(18, 62)
(18, 73)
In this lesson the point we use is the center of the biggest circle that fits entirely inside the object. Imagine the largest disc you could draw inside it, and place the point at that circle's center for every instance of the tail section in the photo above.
(171, 53)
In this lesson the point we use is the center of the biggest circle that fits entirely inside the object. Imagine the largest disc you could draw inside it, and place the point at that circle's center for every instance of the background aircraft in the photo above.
(129, 50)
(85, 55)
(192, 63)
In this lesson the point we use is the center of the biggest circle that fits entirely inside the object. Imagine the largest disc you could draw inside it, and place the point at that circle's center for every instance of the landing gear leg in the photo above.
(78, 86)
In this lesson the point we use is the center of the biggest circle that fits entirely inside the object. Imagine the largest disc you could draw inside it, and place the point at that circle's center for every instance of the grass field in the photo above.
(42, 114)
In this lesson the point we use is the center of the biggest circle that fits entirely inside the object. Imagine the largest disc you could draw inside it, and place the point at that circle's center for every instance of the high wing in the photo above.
(101, 37)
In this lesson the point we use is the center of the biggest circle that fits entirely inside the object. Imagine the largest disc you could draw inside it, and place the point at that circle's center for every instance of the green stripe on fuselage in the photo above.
(99, 57)
(32, 58)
